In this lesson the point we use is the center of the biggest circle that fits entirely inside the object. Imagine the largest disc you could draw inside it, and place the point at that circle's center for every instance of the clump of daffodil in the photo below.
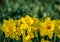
(47, 27)
(42, 40)
(27, 27)
(29, 24)
(57, 28)
(15, 28)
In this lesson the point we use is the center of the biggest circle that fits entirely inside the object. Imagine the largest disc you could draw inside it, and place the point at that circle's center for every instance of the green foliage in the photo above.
(35, 8)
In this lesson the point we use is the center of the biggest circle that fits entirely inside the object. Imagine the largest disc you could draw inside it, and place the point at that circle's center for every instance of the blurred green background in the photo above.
(35, 8)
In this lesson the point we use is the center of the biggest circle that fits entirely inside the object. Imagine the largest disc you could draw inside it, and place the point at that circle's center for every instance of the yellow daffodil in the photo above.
(28, 20)
(47, 27)
(9, 28)
(36, 20)
(42, 40)
(30, 36)
(35, 26)
(57, 28)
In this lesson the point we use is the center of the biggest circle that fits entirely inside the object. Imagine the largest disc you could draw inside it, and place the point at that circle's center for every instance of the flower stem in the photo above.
(55, 38)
